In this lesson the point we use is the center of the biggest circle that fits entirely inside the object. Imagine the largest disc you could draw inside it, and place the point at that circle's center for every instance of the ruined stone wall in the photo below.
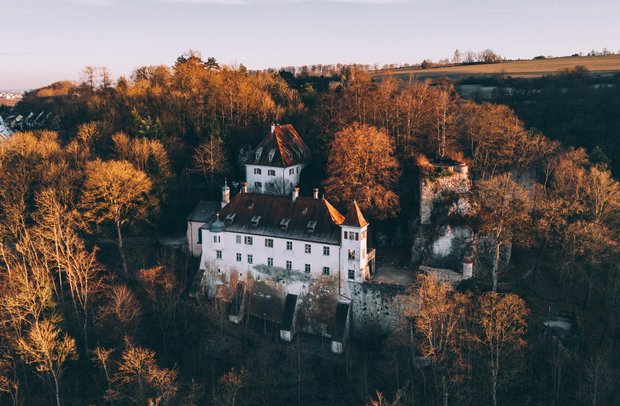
(432, 187)
(375, 307)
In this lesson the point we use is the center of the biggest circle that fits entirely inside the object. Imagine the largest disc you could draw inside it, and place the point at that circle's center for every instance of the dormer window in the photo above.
(250, 204)
(285, 222)
(259, 151)
(230, 217)
(272, 152)
(311, 226)
(255, 220)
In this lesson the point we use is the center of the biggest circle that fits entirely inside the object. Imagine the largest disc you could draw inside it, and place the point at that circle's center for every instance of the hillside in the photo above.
(523, 69)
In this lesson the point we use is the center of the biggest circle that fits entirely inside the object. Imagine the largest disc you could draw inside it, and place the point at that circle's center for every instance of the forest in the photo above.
(94, 310)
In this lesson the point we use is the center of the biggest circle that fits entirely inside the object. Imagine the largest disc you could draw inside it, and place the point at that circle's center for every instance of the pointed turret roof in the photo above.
(354, 216)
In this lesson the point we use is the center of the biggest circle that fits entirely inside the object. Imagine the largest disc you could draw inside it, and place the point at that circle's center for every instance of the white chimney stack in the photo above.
(468, 267)
(225, 194)
(315, 193)
(273, 128)
(295, 194)
(244, 187)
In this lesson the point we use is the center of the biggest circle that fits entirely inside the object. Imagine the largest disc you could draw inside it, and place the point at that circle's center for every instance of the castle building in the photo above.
(276, 164)
(271, 235)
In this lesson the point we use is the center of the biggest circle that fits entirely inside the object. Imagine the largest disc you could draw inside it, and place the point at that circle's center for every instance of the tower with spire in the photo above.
(354, 266)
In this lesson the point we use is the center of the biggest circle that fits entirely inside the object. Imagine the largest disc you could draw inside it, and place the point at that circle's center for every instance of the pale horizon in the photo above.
(48, 41)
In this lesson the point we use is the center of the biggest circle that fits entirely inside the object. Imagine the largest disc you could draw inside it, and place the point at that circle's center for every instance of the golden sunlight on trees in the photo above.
(501, 327)
(140, 380)
(438, 313)
(47, 350)
(115, 191)
(230, 384)
(362, 167)
(504, 213)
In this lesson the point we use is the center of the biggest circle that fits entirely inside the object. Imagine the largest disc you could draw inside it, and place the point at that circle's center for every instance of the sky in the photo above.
(43, 41)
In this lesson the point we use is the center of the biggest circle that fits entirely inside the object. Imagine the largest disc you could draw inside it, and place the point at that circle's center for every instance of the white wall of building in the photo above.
(354, 241)
(267, 174)
(193, 238)
(298, 257)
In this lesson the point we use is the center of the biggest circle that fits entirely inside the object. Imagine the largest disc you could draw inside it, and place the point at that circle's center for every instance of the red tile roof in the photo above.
(354, 216)
(310, 219)
(283, 145)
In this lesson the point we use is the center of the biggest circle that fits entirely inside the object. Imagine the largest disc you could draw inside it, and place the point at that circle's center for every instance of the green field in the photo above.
(607, 64)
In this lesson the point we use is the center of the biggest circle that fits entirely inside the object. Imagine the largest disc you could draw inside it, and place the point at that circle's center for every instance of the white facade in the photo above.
(244, 253)
(282, 179)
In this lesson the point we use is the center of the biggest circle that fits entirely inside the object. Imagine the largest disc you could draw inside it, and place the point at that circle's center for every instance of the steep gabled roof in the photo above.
(354, 216)
(282, 147)
(305, 218)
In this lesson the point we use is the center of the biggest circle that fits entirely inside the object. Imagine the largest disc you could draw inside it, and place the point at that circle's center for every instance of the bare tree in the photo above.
(505, 207)
(210, 159)
(116, 191)
(501, 329)
(47, 350)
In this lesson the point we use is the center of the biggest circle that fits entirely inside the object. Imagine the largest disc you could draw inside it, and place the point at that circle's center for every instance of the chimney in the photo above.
(244, 187)
(273, 127)
(315, 193)
(468, 267)
(295, 194)
(225, 194)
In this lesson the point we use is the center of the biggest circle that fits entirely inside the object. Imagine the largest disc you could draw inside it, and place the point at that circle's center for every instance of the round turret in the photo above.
(217, 226)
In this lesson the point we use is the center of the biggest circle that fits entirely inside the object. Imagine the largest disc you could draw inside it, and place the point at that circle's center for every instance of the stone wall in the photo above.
(375, 308)
(433, 186)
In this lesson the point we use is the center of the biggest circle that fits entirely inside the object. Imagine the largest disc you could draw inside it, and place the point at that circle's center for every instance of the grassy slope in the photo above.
(524, 69)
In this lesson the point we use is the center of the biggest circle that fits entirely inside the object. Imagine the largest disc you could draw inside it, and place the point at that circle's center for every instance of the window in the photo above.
(351, 274)
(272, 151)
(326, 251)
(351, 236)
(307, 268)
(269, 261)
(326, 270)
(289, 245)
(218, 254)
(271, 172)
(285, 222)
(238, 257)
(230, 217)
(238, 238)
(289, 265)
(291, 171)
(255, 220)
(199, 237)
(351, 254)
(250, 259)
(269, 242)
(258, 185)
(346, 235)
(308, 249)
(258, 152)
(248, 240)
(257, 171)
(357, 236)
(216, 238)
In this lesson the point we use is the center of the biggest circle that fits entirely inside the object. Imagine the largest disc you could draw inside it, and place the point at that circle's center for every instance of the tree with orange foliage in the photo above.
(505, 206)
(501, 328)
(116, 191)
(438, 313)
(230, 384)
(140, 380)
(362, 167)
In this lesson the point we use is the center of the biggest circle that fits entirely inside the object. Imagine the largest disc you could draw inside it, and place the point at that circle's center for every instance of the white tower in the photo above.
(353, 252)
